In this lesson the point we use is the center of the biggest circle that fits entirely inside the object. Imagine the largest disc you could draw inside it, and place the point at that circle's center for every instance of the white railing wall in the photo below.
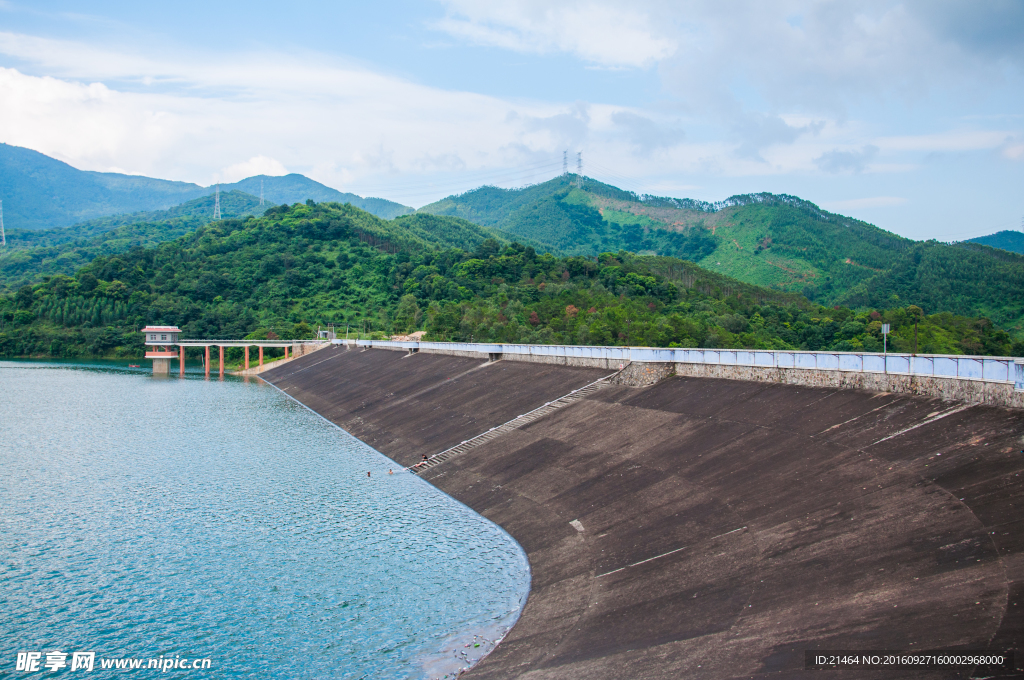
(987, 369)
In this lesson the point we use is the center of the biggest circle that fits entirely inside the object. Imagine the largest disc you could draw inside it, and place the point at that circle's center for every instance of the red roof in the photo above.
(161, 329)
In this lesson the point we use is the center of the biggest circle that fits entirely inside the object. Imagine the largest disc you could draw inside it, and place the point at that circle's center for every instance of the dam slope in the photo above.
(709, 528)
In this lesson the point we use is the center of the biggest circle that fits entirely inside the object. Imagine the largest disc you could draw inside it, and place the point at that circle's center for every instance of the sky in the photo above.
(909, 115)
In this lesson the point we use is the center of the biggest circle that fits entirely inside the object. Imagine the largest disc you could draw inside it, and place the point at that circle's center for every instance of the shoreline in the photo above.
(510, 624)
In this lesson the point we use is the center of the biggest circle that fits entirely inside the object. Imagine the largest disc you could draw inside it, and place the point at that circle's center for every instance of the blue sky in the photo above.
(909, 115)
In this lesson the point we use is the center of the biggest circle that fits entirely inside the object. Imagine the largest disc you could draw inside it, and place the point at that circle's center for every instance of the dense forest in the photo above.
(34, 254)
(776, 241)
(305, 265)
(1004, 240)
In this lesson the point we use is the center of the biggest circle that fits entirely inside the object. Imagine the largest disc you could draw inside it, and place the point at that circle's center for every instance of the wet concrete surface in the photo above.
(727, 526)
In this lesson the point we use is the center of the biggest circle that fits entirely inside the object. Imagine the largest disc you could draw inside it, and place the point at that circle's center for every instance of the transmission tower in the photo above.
(579, 169)
(3, 236)
(261, 193)
(565, 162)
(216, 205)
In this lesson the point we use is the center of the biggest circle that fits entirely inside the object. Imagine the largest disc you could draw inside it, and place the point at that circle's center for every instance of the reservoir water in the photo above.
(148, 518)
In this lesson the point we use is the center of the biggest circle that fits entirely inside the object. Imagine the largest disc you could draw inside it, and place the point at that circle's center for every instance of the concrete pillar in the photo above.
(222, 361)
(207, 361)
(286, 353)
(161, 366)
(261, 356)
(247, 357)
(181, 361)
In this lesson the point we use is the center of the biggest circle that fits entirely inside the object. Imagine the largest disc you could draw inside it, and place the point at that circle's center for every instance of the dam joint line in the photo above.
(517, 422)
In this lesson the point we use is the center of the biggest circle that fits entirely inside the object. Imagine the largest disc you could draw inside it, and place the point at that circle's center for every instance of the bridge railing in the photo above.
(241, 343)
(962, 367)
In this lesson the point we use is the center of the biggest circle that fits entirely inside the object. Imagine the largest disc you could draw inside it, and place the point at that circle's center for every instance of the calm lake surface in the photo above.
(146, 517)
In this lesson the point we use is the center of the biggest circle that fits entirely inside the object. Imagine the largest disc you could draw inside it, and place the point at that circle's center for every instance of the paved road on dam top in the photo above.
(707, 528)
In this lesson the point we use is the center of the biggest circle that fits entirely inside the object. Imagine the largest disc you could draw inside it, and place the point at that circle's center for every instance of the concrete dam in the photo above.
(703, 527)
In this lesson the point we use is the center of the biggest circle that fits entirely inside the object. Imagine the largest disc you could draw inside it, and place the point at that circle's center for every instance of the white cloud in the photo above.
(752, 89)
(953, 140)
(1014, 152)
(605, 33)
(846, 161)
(861, 203)
(307, 115)
(257, 165)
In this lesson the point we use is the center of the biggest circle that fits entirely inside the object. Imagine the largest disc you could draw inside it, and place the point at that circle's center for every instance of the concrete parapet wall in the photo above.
(650, 365)
(574, 362)
(444, 352)
(947, 389)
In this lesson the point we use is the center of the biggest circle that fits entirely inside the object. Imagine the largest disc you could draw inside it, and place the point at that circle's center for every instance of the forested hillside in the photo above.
(561, 219)
(1005, 240)
(968, 278)
(303, 265)
(32, 255)
(39, 192)
(295, 188)
(776, 241)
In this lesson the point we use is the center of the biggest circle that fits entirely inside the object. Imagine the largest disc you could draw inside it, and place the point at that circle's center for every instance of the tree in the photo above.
(916, 314)
(407, 315)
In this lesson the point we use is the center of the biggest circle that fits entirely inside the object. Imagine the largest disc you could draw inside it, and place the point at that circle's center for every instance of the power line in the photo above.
(461, 186)
(623, 182)
(490, 175)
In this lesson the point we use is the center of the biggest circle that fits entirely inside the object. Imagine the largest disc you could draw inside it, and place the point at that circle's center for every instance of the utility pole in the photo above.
(216, 205)
(579, 169)
(261, 193)
(565, 166)
(3, 236)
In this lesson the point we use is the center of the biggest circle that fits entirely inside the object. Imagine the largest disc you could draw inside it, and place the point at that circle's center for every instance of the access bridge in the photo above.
(163, 344)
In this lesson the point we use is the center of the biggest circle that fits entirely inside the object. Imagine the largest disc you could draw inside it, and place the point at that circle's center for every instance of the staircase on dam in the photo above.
(706, 527)
(515, 423)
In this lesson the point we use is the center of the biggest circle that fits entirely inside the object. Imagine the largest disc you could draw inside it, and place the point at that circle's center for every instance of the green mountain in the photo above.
(295, 188)
(33, 255)
(39, 192)
(310, 264)
(776, 241)
(1005, 240)
(566, 220)
(968, 279)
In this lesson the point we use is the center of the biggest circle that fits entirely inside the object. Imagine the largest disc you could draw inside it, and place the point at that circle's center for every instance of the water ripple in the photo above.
(144, 517)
